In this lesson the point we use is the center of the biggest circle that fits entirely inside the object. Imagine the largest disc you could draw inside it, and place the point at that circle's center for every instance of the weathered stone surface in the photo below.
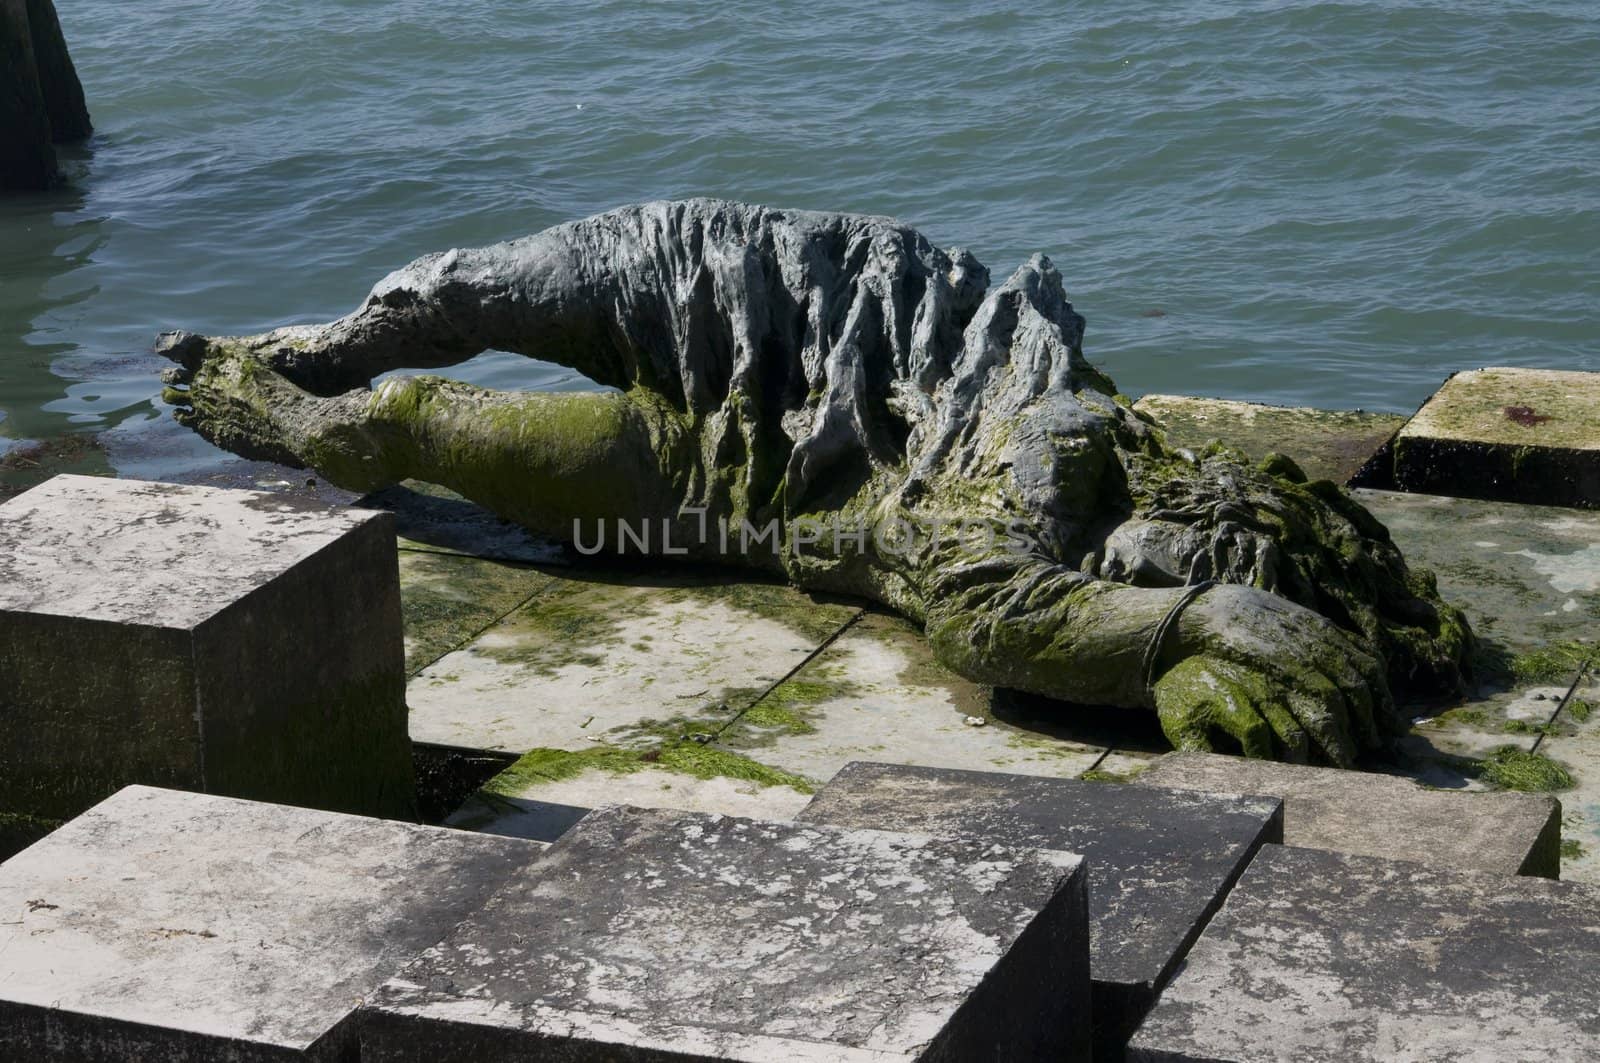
(1380, 815)
(1322, 957)
(1326, 444)
(877, 693)
(1160, 861)
(187, 928)
(912, 436)
(602, 655)
(1521, 435)
(1528, 579)
(654, 935)
(227, 641)
(449, 599)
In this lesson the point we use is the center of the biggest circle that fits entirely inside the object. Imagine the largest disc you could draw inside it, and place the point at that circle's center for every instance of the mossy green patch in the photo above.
(1512, 768)
(447, 599)
(814, 619)
(1571, 849)
(695, 759)
(1556, 663)
(1107, 775)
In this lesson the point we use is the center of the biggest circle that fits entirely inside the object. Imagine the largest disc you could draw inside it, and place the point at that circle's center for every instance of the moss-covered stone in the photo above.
(1321, 444)
(1524, 435)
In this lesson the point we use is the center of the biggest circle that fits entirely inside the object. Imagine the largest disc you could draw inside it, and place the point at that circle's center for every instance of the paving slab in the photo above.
(1572, 742)
(876, 693)
(235, 642)
(1520, 435)
(599, 652)
(1528, 578)
(186, 928)
(1326, 444)
(1323, 957)
(668, 935)
(1382, 815)
(1160, 861)
(448, 599)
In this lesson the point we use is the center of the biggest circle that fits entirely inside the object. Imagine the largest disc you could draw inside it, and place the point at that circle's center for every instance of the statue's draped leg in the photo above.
(543, 459)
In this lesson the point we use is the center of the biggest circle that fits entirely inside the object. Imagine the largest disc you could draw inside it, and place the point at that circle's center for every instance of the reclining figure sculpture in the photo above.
(836, 373)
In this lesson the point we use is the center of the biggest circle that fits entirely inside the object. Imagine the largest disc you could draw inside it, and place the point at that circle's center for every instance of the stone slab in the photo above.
(229, 641)
(1326, 444)
(1521, 435)
(1528, 579)
(1160, 861)
(603, 653)
(657, 935)
(876, 693)
(1320, 956)
(1572, 741)
(186, 928)
(448, 599)
(1381, 815)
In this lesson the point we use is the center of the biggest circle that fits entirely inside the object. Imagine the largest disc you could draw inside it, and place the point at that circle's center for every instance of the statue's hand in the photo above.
(1280, 680)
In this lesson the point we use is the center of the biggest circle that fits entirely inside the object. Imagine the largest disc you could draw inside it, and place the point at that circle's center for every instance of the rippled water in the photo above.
(1324, 203)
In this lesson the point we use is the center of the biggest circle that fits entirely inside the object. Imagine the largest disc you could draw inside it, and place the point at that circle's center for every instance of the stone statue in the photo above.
(834, 399)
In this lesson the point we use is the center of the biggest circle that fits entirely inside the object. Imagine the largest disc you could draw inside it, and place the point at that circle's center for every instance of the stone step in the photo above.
(1518, 435)
(1325, 956)
(1160, 861)
(1382, 815)
(1326, 444)
(228, 641)
(653, 934)
(183, 927)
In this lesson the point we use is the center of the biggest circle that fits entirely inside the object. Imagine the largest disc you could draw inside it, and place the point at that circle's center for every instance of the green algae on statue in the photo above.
(866, 415)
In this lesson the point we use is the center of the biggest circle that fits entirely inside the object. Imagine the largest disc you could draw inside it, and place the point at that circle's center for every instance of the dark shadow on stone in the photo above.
(1095, 725)
(448, 775)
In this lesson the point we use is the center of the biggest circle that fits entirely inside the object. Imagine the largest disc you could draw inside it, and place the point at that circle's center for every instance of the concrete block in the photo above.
(654, 935)
(1520, 435)
(1326, 444)
(1160, 861)
(227, 641)
(1323, 956)
(1381, 815)
(185, 928)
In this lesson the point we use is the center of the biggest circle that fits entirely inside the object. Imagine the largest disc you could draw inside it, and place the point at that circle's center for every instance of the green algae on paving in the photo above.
(447, 599)
(1325, 444)
(1559, 662)
(1512, 407)
(598, 651)
(1513, 768)
(685, 758)
(1492, 560)
(876, 694)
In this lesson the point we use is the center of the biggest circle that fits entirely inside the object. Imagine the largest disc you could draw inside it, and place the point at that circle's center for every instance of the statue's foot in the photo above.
(229, 394)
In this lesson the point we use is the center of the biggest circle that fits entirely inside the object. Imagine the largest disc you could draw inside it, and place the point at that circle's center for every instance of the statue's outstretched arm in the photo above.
(1227, 665)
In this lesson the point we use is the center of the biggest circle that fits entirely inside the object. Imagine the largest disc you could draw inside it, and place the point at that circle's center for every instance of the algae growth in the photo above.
(1512, 768)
